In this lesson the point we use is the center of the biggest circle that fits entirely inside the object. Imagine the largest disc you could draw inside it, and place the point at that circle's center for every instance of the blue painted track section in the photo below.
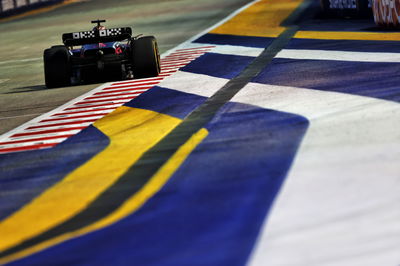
(224, 39)
(378, 80)
(345, 45)
(25, 175)
(169, 102)
(211, 211)
(219, 65)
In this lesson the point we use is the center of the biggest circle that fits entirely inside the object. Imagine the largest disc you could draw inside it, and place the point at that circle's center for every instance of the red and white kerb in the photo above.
(56, 126)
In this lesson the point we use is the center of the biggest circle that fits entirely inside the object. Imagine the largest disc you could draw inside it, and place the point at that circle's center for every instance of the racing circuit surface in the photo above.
(270, 138)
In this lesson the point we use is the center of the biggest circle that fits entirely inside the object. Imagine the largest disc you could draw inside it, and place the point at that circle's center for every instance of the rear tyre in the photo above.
(145, 57)
(57, 67)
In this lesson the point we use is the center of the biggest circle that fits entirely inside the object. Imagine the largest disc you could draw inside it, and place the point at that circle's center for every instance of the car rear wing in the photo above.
(96, 36)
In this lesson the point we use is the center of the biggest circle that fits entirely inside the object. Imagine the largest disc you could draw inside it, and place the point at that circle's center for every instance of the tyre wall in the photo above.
(386, 12)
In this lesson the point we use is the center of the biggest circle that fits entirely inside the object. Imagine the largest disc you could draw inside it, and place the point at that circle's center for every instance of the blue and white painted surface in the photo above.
(300, 167)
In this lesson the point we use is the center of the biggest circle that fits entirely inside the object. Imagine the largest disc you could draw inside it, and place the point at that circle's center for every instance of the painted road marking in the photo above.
(322, 116)
(338, 164)
(94, 104)
(347, 35)
(118, 127)
(267, 22)
(339, 55)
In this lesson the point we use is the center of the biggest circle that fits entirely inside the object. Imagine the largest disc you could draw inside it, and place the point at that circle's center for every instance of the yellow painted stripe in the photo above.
(132, 132)
(39, 10)
(345, 35)
(261, 19)
(132, 204)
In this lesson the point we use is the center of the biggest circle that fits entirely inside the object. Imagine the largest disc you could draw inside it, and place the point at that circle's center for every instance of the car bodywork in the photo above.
(347, 7)
(100, 55)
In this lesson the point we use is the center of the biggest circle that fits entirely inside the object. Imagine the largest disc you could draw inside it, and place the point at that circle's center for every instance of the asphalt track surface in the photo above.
(271, 138)
(24, 40)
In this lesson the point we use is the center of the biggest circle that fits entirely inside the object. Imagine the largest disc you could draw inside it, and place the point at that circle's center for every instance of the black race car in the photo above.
(357, 8)
(100, 55)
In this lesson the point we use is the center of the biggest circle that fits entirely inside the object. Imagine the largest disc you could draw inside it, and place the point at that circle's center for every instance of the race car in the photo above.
(100, 55)
(359, 8)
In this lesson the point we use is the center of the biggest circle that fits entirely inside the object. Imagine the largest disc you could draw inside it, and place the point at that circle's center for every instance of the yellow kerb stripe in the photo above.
(132, 132)
(343, 35)
(261, 19)
(133, 203)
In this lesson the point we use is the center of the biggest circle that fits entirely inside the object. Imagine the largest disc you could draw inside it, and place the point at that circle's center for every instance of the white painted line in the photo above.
(193, 83)
(339, 56)
(72, 118)
(129, 86)
(96, 101)
(237, 50)
(115, 94)
(30, 143)
(52, 134)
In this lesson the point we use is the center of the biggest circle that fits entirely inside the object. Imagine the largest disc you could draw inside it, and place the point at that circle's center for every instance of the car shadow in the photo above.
(27, 89)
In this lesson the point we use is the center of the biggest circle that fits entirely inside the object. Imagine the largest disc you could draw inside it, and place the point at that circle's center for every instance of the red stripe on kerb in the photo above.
(194, 53)
(36, 139)
(71, 117)
(113, 95)
(92, 106)
(146, 86)
(182, 61)
(107, 92)
(138, 82)
(47, 131)
(118, 99)
(177, 58)
(63, 124)
(169, 72)
(173, 65)
(27, 148)
(110, 109)
(190, 53)
(194, 48)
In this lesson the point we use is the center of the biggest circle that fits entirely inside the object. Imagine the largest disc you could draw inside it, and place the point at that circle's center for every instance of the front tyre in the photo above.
(145, 57)
(57, 67)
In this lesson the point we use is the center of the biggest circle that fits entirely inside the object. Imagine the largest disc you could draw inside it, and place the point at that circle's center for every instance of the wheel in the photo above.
(145, 57)
(57, 67)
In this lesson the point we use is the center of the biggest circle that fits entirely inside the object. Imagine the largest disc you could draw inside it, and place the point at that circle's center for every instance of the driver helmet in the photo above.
(99, 27)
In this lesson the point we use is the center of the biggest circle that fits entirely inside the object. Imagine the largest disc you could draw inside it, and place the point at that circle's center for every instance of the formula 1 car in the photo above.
(359, 8)
(103, 55)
